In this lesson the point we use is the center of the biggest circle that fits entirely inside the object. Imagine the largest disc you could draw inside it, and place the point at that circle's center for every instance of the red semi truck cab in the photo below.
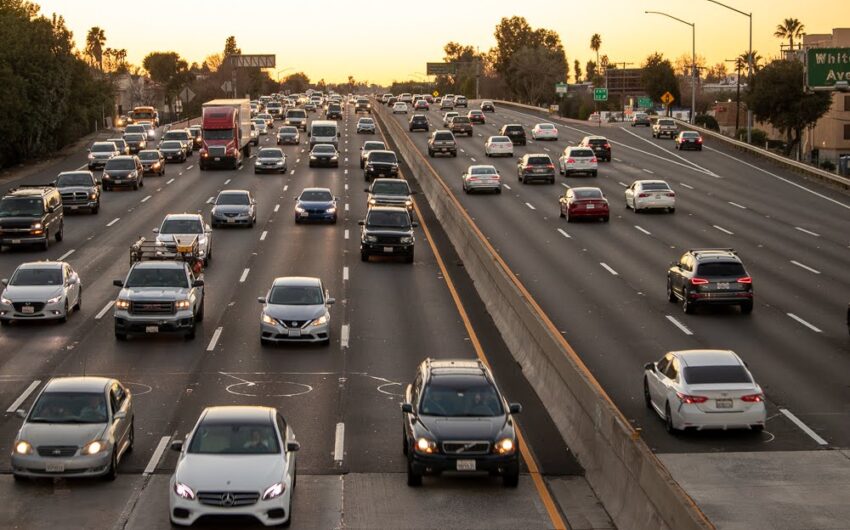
(226, 133)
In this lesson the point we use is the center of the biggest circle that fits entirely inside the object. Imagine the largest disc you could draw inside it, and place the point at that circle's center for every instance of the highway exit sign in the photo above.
(827, 66)
(600, 94)
(560, 88)
(644, 103)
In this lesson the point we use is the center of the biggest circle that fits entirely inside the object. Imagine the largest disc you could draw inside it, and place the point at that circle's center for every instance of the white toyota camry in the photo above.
(499, 146)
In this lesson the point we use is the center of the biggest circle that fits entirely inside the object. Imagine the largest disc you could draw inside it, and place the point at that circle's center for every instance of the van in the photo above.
(324, 132)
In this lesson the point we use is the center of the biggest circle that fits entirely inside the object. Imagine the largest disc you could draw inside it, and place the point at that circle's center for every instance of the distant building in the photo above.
(136, 90)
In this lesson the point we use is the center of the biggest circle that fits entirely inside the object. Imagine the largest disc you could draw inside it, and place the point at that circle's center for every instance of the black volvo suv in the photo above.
(387, 231)
(455, 419)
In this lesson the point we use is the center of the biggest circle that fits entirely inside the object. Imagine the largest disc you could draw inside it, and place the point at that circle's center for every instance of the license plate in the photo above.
(218, 159)
(539, 170)
(444, 149)
(305, 214)
(724, 403)
(151, 329)
(591, 206)
(295, 332)
(723, 285)
(466, 465)
(657, 196)
(54, 468)
(388, 249)
(28, 310)
(231, 220)
(16, 241)
(75, 207)
(119, 182)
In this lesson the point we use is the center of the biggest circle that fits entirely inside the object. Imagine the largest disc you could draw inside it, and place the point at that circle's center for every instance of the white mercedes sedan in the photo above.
(237, 461)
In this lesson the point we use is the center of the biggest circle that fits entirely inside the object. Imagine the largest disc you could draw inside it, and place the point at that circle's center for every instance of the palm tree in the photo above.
(595, 44)
(95, 39)
(742, 61)
(791, 28)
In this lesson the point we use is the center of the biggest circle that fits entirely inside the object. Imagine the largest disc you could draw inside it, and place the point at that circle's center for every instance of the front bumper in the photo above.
(182, 321)
(387, 249)
(72, 206)
(47, 312)
(435, 464)
(387, 171)
(269, 169)
(123, 181)
(272, 512)
(24, 238)
(279, 333)
(324, 162)
(34, 465)
(241, 219)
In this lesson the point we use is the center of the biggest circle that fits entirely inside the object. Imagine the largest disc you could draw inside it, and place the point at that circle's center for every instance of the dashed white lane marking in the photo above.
(190, 167)
(546, 149)
(210, 200)
(803, 322)
(112, 222)
(344, 334)
(623, 184)
(346, 233)
(345, 172)
(471, 158)
(276, 207)
(286, 187)
(617, 159)
(291, 171)
(686, 185)
(346, 207)
(297, 160)
(263, 235)
(146, 199)
(530, 206)
(736, 205)
(65, 255)
(803, 266)
(644, 230)
(805, 428)
(506, 186)
(679, 325)
(345, 274)
(103, 311)
(563, 233)
(462, 151)
(346, 187)
(24, 395)
(564, 184)
(215, 337)
(226, 182)
(157, 455)
(169, 181)
(339, 445)
(803, 230)
(723, 230)
(649, 171)
(244, 275)
(609, 269)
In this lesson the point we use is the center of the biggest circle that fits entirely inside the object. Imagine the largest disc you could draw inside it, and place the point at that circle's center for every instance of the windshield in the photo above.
(218, 134)
(134, 137)
(489, 170)
(296, 295)
(213, 438)
(365, 121)
(163, 277)
(142, 115)
(372, 146)
(120, 163)
(51, 276)
(148, 155)
(721, 268)
(103, 148)
(707, 375)
(587, 194)
(69, 407)
(21, 207)
(324, 149)
(390, 187)
(233, 199)
(315, 196)
(270, 153)
(74, 179)
(388, 219)
(175, 135)
(134, 129)
(288, 130)
(182, 226)
(324, 130)
(259, 122)
(382, 158)
(456, 396)
(170, 145)
(296, 114)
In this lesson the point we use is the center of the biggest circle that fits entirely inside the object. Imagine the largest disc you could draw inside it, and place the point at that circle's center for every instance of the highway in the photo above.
(342, 400)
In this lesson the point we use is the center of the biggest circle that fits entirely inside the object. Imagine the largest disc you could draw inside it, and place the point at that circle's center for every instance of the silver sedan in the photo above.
(42, 290)
(295, 310)
(234, 207)
(482, 178)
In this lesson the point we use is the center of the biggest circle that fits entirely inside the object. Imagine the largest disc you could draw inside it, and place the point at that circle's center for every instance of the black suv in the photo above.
(600, 145)
(710, 276)
(455, 419)
(388, 231)
(443, 142)
(30, 215)
(515, 132)
(380, 163)
(535, 167)
(79, 190)
(418, 122)
(362, 105)
(334, 112)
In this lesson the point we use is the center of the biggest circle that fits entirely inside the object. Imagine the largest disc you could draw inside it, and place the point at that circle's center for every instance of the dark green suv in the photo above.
(31, 215)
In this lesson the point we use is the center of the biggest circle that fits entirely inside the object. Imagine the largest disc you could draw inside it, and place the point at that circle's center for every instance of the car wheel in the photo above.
(131, 436)
(671, 295)
(136, 185)
(510, 479)
(757, 428)
(414, 479)
(121, 337)
(635, 207)
(19, 478)
(409, 258)
(364, 256)
(606, 219)
(671, 210)
(112, 472)
(747, 308)
(647, 398)
(65, 313)
(190, 335)
(46, 244)
(668, 420)
(200, 316)
(95, 209)
(687, 305)
(567, 215)
(61, 233)
(593, 174)
(265, 342)
(79, 303)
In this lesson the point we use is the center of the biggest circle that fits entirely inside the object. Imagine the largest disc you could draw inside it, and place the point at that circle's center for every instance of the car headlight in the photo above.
(407, 239)
(268, 320)
(183, 304)
(23, 448)
(279, 163)
(320, 321)
(331, 210)
(504, 446)
(312, 157)
(37, 226)
(5, 301)
(92, 195)
(334, 157)
(55, 299)
(93, 447)
(91, 156)
(299, 209)
(275, 490)
(122, 304)
(408, 203)
(155, 165)
(184, 491)
(424, 445)
(371, 239)
(373, 202)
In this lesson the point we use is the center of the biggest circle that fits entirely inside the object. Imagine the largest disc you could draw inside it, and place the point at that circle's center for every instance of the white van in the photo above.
(324, 132)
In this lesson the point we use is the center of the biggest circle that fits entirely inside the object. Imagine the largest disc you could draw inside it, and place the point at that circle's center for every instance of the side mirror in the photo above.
(155, 230)
(293, 446)
(361, 223)
(649, 366)
(338, 135)
(120, 415)
(414, 224)
(21, 413)
(97, 182)
(331, 301)
(5, 281)
(309, 134)
(407, 408)
(515, 408)
(118, 283)
(177, 445)
(198, 283)
(261, 299)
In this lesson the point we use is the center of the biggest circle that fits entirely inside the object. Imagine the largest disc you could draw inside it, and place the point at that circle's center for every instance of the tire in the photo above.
(687, 305)
(135, 185)
(67, 311)
(112, 472)
(747, 308)
(593, 174)
(96, 209)
(60, 234)
(200, 316)
(46, 244)
(671, 210)
(671, 296)
(561, 213)
(19, 478)
(510, 479)
(647, 398)
(190, 335)
(131, 439)
(5, 323)
(414, 479)
(265, 342)
(606, 219)
(668, 420)
(79, 303)
(364, 256)
(120, 337)
(409, 258)
(757, 428)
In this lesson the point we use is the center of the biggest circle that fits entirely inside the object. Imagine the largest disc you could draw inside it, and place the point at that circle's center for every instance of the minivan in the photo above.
(324, 132)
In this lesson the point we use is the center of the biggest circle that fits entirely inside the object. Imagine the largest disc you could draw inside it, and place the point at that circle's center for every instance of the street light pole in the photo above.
(750, 66)
(694, 70)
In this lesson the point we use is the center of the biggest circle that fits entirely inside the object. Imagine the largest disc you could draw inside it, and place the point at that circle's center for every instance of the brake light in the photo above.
(607, 146)
(753, 398)
(571, 161)
(699, 140)
(550, 166)
(593, 159)
(745, 279)
(643, 195)
(699, 281)
(690, 400)
(671, 194)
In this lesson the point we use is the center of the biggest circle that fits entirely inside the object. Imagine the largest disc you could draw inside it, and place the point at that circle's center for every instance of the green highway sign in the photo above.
(644, 103)
(827, 66)
(600, 94)
(560, 88)
(440, 68)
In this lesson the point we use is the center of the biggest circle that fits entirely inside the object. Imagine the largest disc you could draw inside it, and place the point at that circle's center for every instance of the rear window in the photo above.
(707, 375)
(371, 146)
(666, 122)
(444, 136)
(460, 119)
(582, 153)
(721, 268)
(654, 186)
(588, 194)
(296, 114)
(690, 135)
(539, 160)
(597, 141)
(513, 128)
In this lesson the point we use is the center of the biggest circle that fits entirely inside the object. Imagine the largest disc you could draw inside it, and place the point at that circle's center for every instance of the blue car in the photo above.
(315, 204)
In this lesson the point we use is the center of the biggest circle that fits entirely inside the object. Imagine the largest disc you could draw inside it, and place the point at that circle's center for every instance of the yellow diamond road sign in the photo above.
(436, 93)
(667, 98)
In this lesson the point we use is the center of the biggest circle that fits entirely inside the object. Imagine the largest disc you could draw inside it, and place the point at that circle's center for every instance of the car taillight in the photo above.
(699, 140)
(571, 161)
(745, 279)
(643, 195)
(593, 159)
(690, 400)
(753, 398)
(607, 146)
(698, 281)
(550, 166)
(670, 194)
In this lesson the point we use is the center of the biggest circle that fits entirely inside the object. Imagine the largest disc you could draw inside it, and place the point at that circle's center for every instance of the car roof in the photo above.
(122, 157)
(317, 189)
(299, 281)
(587, 188)
(234, 192)
(184, 216)
(707, 357)
(159, 264)
(373, 142)
(77, 384)
(650, 181)
(41, 265)
(714, 254)
(239, 413)
(149, 151)
(481, 166)
(76, 172)
(394, 181)
(595, 137)
(499, 137)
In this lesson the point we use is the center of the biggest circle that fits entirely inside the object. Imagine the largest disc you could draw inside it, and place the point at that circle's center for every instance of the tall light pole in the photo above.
(694, 72)
(749, 67)
(278, 72)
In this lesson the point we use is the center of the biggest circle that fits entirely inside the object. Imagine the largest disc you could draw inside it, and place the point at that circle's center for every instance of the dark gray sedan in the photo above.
(234, 207)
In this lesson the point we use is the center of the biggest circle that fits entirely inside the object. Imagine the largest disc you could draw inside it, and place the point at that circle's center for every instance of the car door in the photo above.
(118, 402)
(630, 194)
(670, 382)
(655, 380)
(72, 285)
(563, 201)
(677, 274)
(286, 436)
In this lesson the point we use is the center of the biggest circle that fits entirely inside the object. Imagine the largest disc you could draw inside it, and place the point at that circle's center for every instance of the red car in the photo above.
(421, 104)
(579, 203)
(476, 116)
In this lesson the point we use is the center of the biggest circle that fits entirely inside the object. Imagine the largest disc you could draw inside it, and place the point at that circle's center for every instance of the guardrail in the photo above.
(632, 483)
(798, 167)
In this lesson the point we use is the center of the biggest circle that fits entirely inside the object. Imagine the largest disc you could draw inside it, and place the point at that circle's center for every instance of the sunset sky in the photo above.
(382, 42)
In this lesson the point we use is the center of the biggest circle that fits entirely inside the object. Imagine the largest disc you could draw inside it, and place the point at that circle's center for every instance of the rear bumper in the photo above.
(692, 417)
(721, 298)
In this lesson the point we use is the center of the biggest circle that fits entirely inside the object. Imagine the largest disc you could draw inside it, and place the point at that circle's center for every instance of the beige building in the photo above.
(136, 90)
(830, 137)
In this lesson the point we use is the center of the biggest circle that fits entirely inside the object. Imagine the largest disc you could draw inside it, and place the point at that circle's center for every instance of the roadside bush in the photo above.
(827, 165)
(759, 137)
(706, 121)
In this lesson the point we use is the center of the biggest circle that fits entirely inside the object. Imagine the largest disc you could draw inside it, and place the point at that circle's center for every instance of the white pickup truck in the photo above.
(665, 127)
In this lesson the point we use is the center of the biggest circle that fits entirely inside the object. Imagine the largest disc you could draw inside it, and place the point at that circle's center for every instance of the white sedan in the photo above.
(237, 461)
(650, 194)
(544, 131)
(704, 389)
(482, 178)
(400, 108)
(499, 146)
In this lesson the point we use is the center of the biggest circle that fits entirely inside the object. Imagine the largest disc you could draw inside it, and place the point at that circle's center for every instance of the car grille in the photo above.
(231, 214)
(393, 240)
(228, 499)
(293, 323)
(57, 450)
(73, 197)
(217, 150)
(151, 308)
(466, 448)
(36, 306)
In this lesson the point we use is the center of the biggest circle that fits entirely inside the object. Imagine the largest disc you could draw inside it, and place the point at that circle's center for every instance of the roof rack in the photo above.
(698, 250)
(184, 248)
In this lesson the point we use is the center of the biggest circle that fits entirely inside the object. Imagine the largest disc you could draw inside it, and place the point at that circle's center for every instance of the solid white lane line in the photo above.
(215, 337)
(112, 222)
(344, 334)
(679, 325)
(65, 255)
(286, 187)
(146, 199)
(723, 230)
(244, 275)
(566, 235)
(157, 455)
(803, 266)
(226, 182)
(346, 233)
(345, 274)
(736, 205)
(803, 230)
(24, 395)
(103, 311)
(276, 207)
(506, 186)
(263, 235)
(339, 439)
(169, 181)
(649, 171)
(530, 206)
(609, 269)
(686, 185)
(803, 322)
(644, 230)
(690, 164)
(805, 428)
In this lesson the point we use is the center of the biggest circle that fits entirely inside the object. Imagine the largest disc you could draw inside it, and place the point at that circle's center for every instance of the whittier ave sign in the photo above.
(826, 66)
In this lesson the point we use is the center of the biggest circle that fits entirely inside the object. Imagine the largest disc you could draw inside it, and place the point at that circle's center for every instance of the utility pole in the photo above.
(737, 95)
(750, 67)
(695, 71)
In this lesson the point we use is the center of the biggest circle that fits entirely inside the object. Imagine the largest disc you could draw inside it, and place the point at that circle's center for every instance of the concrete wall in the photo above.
(634, 486)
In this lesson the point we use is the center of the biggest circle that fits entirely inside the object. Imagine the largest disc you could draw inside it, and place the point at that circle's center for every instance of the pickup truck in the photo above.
(460, 125)
(665, 127)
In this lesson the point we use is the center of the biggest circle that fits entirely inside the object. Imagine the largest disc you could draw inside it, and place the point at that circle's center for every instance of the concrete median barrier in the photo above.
(632, 483)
